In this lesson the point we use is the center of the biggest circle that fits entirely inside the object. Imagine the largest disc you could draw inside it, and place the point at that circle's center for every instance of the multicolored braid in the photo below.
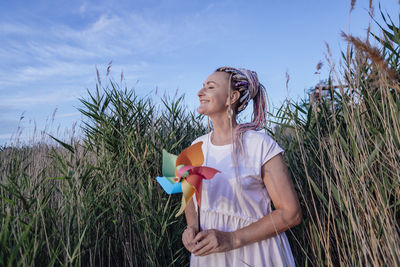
(246, 82)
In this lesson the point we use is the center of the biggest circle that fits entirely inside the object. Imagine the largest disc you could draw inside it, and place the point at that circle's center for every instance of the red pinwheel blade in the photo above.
(205, 172)
(196, 176)
(196, 180)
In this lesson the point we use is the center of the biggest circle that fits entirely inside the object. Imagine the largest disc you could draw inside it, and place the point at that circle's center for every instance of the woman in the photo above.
(238, 225)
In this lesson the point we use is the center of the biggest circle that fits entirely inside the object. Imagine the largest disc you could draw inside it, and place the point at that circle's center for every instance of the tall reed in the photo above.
(344, 154)
(93, 201)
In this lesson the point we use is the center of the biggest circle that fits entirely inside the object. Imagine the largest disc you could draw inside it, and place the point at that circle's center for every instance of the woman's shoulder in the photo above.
(258, 138)
(254, 135)
(261, 141)
(200, 138)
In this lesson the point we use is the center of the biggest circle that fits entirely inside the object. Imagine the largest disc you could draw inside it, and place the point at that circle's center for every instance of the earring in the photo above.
(230, 113)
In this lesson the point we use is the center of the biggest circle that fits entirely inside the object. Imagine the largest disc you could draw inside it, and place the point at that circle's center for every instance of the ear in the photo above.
(235, 95)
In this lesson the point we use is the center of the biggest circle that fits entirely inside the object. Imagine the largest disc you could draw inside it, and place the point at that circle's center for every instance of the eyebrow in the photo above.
(211, 82)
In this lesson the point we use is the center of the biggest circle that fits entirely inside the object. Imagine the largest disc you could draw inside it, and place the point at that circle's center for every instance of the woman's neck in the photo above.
(222, 131)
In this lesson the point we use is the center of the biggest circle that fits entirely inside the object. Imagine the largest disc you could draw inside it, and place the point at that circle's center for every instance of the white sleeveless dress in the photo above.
(230, 203)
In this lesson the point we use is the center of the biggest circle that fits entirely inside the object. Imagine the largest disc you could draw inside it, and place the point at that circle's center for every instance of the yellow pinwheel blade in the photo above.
(188, 191)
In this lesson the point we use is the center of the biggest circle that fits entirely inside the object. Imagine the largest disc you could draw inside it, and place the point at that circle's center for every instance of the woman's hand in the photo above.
(211, 241)
(188, 237)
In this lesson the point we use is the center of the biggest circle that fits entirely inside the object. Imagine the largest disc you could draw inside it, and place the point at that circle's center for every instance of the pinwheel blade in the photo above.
(195, 177)
(205, 172)
(188, 191)
(168, 164)
(192, 156)
(196, 181)
(168, 186)
(186, 166)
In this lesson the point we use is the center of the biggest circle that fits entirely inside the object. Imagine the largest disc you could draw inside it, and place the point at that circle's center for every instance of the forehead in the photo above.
(218, 77)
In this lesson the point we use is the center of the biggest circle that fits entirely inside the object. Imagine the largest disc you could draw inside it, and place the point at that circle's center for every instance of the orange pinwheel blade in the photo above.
(192, 155)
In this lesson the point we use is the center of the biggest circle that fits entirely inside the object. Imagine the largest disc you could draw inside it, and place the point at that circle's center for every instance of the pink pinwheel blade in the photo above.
(182, 170)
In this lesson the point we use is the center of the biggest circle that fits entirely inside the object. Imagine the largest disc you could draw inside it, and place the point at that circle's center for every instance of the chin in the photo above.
(201, 111)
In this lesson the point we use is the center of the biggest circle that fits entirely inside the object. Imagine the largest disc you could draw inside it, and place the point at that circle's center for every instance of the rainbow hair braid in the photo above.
(246, 82)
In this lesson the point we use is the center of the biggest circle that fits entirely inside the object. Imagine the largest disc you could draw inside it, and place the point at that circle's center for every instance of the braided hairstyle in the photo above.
(246, 82)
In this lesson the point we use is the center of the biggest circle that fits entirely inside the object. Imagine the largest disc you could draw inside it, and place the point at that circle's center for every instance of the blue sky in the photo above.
(49, 49)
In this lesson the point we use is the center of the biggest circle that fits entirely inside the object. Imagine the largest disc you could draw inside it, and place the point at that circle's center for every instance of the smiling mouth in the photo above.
(203, 101)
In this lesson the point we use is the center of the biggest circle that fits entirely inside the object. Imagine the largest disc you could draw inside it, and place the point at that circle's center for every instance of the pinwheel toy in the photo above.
(185, 174)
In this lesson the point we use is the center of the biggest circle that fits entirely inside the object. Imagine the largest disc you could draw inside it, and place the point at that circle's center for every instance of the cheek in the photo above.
(221, 100)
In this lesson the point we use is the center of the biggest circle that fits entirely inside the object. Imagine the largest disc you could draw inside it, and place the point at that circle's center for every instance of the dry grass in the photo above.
(344, 155)
(94, 201)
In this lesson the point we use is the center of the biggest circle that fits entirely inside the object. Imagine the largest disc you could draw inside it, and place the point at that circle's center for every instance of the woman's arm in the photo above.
(191, 215)
(287, 211)
(287, 214)
(192, 226)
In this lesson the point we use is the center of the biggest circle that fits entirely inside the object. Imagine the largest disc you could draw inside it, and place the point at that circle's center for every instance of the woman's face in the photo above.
(213, 96)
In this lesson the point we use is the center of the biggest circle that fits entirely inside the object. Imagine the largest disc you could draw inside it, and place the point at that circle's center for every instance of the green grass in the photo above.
(93, 201)
(344, 154)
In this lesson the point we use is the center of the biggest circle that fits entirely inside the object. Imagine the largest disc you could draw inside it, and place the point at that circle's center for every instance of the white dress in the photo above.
(231, 202)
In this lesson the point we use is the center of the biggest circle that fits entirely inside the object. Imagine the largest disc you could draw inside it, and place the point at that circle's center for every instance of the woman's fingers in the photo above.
(206, 249)
(200, 246)
(200, 236)
(187, 238)
(188, 245)
(211, 241)
(203, 242)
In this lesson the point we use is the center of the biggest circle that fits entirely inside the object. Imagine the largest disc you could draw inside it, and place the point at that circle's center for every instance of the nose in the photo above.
(200, 92)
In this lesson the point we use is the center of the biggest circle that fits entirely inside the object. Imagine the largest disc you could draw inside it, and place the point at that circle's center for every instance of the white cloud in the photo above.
(54, 70)
(67, 115)
(120, 35)
(19, 101)
(83, 8)
(5, 136)
(59, 72)
(16, 29)
(56, 55)
(111, 35)
(66, 52)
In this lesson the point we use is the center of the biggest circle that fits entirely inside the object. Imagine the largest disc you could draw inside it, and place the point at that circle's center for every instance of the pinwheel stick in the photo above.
(198, 218)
